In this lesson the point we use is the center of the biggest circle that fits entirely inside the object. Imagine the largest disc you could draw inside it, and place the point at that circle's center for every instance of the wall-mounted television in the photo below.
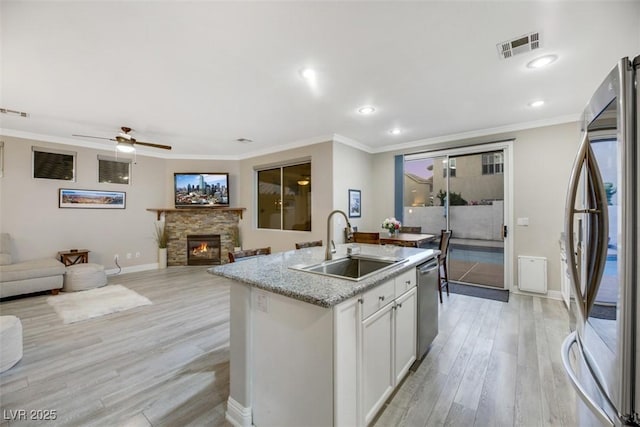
(201, 190)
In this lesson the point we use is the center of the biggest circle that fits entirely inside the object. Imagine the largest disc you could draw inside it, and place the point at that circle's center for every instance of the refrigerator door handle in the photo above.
(597, 222)
(600, 236)
(575, 382)
(569, 217)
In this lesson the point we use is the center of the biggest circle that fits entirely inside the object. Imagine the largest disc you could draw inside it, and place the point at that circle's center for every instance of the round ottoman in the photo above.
(10, 341)
(80, 277)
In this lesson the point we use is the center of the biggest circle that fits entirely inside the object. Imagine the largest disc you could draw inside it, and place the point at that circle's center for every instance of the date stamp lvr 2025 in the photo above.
(29, 414)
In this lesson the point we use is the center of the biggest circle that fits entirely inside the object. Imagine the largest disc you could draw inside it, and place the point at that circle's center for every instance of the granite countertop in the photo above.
(272, 272)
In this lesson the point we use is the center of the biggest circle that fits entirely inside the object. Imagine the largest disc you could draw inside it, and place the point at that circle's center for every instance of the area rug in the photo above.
(77, 306)
(479, 292)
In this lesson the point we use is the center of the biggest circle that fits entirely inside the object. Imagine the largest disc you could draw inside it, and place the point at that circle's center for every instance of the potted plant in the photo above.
(162, 239)
(235, 238)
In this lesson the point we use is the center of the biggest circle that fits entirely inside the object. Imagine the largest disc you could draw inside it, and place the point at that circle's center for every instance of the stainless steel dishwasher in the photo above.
(427, 274)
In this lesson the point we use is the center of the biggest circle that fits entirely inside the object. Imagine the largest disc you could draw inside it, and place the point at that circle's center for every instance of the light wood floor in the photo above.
(492, 364)
(163, 365)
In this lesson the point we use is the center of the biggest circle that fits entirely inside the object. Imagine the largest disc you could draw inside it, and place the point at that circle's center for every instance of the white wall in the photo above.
(29, 208)
(353, 169)
(542, 159)
(321, 197)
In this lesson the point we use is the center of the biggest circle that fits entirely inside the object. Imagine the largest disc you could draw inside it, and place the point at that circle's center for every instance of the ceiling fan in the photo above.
(126, 143)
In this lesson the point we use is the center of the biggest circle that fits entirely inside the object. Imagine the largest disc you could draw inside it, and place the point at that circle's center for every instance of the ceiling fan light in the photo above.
(125, 147)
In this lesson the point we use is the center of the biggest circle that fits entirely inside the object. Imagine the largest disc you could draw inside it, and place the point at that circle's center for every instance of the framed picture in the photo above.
(355, 205)
(91, 199)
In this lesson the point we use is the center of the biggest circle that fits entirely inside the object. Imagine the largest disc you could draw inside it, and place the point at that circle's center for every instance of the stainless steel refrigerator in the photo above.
(602, 242)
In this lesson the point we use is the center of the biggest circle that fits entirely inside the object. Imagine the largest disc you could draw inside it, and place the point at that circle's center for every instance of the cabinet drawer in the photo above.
(405, 282)
(376, 298)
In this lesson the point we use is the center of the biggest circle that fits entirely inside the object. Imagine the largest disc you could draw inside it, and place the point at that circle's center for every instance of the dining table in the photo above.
(413, 240)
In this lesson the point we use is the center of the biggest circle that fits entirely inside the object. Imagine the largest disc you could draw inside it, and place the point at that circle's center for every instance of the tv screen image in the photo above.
(201, 189)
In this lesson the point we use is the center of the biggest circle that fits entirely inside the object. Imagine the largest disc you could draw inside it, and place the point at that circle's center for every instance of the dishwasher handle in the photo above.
(427, 268)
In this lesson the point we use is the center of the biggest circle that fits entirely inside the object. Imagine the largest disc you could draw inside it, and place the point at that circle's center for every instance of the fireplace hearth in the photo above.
(203, 249)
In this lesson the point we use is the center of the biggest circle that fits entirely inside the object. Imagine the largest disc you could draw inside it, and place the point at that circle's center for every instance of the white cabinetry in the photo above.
(346, 367)
(377, 359)
(332, 366)
(388, 340)
(405, 333)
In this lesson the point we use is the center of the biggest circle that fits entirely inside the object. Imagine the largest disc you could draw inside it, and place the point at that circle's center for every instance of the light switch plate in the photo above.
(523, 221)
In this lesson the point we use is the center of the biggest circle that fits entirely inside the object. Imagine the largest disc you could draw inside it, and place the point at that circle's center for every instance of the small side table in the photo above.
(78, 256)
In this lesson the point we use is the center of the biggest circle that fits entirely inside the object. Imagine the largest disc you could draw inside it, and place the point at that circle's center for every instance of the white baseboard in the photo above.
(238, 415)
(132, 269)
(557, 295)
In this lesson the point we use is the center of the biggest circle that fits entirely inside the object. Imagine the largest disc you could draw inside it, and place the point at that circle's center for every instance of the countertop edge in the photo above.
(344, 289)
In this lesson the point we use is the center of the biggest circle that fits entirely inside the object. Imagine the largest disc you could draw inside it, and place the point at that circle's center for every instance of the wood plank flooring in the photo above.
(161, 365)
(492, 364)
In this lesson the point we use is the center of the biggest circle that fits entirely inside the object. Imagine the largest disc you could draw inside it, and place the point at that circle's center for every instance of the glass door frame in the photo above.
(507, 147)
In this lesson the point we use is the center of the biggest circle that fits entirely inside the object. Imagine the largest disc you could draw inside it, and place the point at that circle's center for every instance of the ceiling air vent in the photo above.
(522, 44)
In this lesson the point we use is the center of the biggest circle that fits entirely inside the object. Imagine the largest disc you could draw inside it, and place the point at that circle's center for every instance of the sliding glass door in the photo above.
(463, 191)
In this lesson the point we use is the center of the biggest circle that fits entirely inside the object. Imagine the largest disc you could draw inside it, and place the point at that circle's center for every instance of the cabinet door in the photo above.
(347, 326)
(377, 361)
(405, 333)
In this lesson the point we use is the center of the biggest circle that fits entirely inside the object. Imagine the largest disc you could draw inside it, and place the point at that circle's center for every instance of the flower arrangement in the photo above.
(391, 224)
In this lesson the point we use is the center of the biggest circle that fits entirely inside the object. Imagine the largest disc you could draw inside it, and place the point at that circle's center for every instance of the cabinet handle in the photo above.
(408, 282)
(381, 297)
(360, 300)
(399, 305)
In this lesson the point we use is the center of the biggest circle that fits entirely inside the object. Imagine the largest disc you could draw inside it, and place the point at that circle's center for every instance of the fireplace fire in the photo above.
(203, 249)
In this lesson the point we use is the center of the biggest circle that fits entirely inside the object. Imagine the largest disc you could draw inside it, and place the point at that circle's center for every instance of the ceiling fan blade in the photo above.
(149, 144)
(94, 137)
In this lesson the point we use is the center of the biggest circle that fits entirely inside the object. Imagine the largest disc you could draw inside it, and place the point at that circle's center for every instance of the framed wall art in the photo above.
(355, 204)
(91, 199)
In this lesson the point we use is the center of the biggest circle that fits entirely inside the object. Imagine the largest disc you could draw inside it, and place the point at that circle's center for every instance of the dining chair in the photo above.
(443, 273)
(301, 245)
(248, 253)
(411, 229)
(363, 237)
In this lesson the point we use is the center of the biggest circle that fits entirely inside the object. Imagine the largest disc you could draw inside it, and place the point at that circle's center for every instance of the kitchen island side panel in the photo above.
(293, 362)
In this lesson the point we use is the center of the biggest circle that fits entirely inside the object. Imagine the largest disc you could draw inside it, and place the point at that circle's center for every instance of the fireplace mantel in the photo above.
(182, 222)
(160, 211)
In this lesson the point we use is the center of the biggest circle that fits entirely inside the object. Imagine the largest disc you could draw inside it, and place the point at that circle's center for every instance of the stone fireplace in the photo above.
(203, 249)
(181, 223)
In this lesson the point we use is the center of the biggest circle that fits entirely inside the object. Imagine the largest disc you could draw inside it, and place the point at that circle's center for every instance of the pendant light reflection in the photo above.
(125, 147)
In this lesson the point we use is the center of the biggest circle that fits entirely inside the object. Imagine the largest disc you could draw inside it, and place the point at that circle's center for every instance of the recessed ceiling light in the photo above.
(308, 73)
(366, 109)
(536, 104)
(542, 61)
(395, 131)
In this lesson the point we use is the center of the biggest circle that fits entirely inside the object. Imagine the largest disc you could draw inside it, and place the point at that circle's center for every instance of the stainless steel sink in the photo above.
(354, 267)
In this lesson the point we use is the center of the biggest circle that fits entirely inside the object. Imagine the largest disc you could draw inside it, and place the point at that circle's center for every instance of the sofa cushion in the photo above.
(5, 249)
(31, 269)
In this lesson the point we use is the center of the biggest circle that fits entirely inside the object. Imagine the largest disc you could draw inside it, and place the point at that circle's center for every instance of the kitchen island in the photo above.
(311, 349)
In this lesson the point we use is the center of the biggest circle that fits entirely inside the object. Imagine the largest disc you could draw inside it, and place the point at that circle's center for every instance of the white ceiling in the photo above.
(199, 75)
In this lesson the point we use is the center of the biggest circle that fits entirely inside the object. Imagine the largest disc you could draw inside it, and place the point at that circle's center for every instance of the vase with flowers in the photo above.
(392, 225)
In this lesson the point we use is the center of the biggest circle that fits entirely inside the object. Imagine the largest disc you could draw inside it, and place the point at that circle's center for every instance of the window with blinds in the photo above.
(114, 171)
(54, 164)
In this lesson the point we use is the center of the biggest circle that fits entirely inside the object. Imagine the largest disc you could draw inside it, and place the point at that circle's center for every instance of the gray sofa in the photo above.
(27, 277)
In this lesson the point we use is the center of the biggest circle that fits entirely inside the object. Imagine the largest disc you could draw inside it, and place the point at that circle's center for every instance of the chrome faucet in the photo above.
(331, 247)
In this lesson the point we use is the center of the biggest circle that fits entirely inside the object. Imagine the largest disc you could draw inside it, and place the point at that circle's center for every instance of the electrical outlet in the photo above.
(128, 255)
(137, 254)
(116, 257)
